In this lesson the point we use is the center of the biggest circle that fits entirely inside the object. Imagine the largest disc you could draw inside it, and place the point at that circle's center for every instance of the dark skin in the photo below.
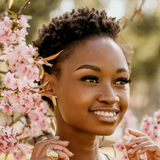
(93, 79)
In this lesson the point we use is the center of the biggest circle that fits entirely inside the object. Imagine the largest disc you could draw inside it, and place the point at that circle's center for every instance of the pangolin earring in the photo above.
(54, 100)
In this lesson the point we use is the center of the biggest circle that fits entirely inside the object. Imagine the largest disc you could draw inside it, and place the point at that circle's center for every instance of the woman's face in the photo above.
(93, 91)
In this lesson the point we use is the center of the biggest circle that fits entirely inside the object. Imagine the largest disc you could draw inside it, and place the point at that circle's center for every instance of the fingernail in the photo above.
(56, 137)
(129, 151)
(129, 129)
(72, 154)
(67, 142)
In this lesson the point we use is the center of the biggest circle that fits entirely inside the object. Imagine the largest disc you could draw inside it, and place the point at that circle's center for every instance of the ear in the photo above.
(49, 87)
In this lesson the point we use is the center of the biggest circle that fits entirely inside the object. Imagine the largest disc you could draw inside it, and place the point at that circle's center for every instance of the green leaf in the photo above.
(41, 71)
(53, 56)
(24, 138)
(10, 3)
(41, 86)
(13, 14)
(6, 156)
(52, 125)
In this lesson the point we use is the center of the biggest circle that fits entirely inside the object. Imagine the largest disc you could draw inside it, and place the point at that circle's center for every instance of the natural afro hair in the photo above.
(73, 27)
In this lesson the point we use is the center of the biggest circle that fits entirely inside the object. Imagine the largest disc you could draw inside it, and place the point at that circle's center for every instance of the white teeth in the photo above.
(102, 113)
(98, 112)
(106, 114)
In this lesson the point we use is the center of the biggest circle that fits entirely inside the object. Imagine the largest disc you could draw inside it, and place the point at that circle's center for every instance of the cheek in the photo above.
(74, 103)
(125, 100)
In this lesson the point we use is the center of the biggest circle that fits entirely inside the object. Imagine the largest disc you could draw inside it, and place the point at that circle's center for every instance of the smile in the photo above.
(106, 114)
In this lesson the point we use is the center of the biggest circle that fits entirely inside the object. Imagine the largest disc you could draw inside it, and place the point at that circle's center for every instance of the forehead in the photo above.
(101, 51)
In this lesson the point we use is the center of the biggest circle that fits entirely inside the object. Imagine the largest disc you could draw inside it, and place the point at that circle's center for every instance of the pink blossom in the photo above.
(18, 155)
(23, 22)
(6, 108)
(8, 141)
(157, 115)
(23, 151)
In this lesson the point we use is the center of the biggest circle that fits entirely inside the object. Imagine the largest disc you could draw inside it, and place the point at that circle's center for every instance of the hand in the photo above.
(142, 144)
(40, 149)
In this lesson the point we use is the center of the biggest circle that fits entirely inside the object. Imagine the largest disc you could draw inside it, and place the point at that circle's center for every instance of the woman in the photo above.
(89, 86)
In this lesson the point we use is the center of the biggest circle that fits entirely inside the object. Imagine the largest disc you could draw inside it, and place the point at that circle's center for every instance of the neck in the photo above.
(82, 145)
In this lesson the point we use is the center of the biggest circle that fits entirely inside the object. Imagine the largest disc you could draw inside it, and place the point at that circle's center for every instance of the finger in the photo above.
(137, 140)
(51, 138)
(62, 143)
(136, 132)
(46, 158)
(139, 147)
(62, 155)
(154, 149)
(40, 144)
(56, 147)
(39, 147)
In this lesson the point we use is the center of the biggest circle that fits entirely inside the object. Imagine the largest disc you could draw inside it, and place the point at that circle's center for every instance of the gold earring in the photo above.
(54, 100)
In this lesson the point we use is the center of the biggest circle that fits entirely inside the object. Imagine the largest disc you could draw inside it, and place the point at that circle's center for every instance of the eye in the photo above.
(122, 81)
(90, 79)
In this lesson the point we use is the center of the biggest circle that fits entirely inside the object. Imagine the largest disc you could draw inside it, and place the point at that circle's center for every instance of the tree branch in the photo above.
(16, 120)
(6, 2)
(3, 72)
(133, 15)
(23, 7)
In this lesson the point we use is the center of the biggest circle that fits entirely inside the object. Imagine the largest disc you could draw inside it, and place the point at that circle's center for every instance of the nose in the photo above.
(107, 95)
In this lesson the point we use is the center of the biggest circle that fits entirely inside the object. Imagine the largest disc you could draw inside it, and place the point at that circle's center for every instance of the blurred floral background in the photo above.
(143, 33)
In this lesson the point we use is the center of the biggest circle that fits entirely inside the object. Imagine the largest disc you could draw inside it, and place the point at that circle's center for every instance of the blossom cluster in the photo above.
(119, 145)
(12, 32)
(149, 125)
(21, 91)
(8, 139)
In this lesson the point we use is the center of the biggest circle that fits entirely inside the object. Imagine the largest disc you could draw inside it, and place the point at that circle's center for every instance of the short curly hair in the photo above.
(65, 33)
(73, 27)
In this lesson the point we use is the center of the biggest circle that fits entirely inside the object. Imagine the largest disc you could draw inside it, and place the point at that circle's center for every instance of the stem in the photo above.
(23, 7)
(7, 89)
(3, 72)
(133, 15)
(6, 2)
(16, 120)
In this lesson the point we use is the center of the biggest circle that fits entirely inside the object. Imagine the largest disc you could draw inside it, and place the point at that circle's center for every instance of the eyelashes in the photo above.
(94, 79)
(122, 81)
(90, 79)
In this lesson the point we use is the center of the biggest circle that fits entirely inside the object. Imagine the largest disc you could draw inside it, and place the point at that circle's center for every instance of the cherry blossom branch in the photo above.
(16, 120)
(133, 15)
(23, 7)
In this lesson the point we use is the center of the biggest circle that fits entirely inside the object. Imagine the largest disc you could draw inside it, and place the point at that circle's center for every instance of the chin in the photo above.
(106, 132)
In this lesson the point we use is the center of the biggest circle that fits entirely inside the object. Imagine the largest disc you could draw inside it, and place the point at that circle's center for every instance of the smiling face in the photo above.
(93, 90)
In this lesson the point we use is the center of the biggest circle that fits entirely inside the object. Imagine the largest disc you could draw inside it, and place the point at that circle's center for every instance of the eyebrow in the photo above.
(121, 70)
(86, 66)
(95, 68)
